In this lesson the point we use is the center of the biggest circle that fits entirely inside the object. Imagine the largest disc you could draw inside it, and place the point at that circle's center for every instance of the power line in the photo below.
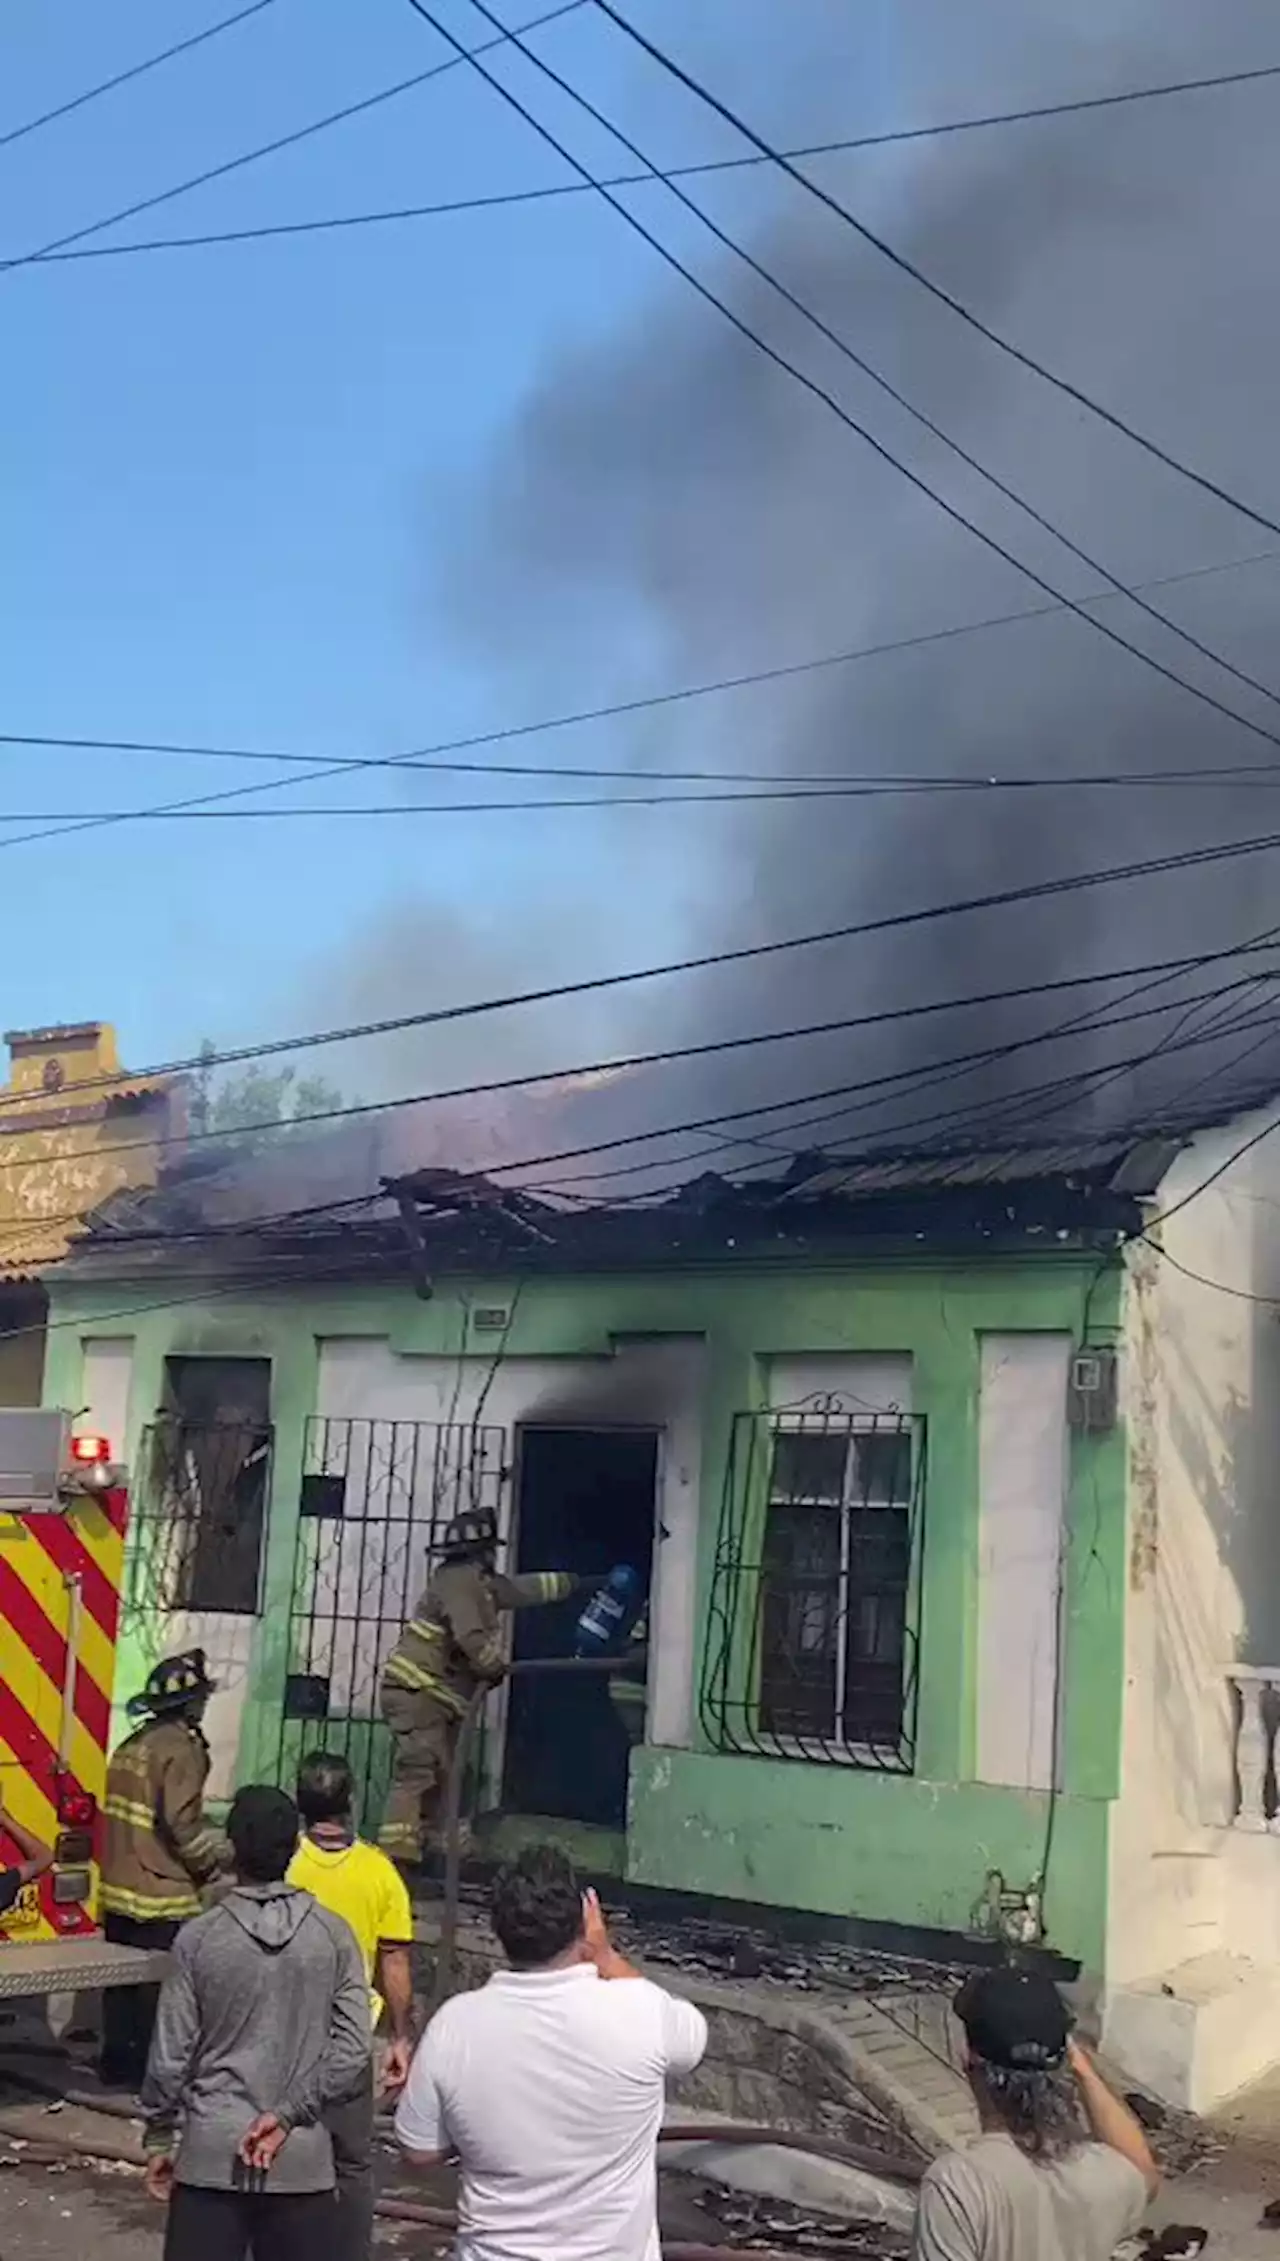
(1237, 1155)
(929, 1076)
(135, 71)
(427, 758)
(908, 267)
(837, 789)
(892, 391)
(1078, 1084)
(743, 953)
(841, 147)
(811, 384)
(581, 1070)
(783, 1106)
(982, 1056)
(1202, 1279)
(268, 148)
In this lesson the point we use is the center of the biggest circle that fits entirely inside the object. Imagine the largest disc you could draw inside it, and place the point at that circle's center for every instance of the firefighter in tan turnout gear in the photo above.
(159, 1852)
(451, 1646)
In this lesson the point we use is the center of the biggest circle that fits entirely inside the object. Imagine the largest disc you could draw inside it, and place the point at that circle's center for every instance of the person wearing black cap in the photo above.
(1062, 2170)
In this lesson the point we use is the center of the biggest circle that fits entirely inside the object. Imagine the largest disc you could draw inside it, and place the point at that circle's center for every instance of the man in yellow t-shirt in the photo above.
(354, 1880)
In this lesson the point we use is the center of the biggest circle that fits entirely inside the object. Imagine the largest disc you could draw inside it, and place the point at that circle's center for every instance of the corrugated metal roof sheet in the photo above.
(1128, 1165)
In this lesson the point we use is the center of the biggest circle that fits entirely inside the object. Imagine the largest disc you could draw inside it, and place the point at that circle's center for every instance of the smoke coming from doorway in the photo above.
(672, 491)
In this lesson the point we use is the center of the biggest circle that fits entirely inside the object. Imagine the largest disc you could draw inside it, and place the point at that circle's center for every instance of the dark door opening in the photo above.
(212, 1448)
(585, 1501)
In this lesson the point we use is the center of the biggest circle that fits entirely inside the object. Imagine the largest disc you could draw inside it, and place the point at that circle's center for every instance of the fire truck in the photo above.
(64, 1508)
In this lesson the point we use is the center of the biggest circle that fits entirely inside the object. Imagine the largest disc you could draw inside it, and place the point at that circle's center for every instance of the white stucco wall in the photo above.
(107, 1381)
(1022, 1480)
(860, 1381)
(1202, 1410)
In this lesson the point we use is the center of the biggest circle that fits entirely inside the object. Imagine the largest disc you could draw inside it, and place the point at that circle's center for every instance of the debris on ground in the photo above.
(752, 2221)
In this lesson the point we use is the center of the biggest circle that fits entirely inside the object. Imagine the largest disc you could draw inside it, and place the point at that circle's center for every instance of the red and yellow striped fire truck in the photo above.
(63, 1511)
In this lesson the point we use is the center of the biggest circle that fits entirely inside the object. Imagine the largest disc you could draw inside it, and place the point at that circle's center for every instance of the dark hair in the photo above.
(536, 1908)
(263, 1828)
(326, 1787)
(1040, 2110)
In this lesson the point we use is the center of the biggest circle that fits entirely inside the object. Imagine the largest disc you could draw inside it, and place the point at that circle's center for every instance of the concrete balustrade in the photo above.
(1257, 1693)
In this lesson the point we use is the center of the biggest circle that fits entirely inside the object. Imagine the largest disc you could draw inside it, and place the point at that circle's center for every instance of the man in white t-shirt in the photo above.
(548, 2083)
(1062, 2170)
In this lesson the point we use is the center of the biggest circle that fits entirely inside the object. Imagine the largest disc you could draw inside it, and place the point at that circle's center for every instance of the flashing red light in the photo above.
(90, 1451)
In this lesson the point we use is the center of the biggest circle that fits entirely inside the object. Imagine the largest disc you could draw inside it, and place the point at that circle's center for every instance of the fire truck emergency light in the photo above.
(90, 1451)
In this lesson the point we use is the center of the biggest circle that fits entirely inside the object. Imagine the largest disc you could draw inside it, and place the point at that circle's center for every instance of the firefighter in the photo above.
(628, 1689)
(451, 1647)
(159, 1853)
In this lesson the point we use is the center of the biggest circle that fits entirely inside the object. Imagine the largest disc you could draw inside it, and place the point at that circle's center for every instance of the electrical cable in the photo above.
(267, 149)
(811, 384)
(135, 71)
(1202, 1279)
(863, 1084)
(278, 1276)
(743, 953)
(15, 1226)
(629, 180)
(1238, 1154)
(695, 797)
(1077, 1085)
(894, 392)
(329, 1209)
(935, 289)
(425, 758)
(544, 1078)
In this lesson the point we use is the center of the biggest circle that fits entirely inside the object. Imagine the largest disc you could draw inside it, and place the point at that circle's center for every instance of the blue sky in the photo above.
(231, 479)
(223, 507)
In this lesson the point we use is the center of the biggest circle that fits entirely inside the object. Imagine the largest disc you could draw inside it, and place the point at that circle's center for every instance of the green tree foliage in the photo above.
(258, 1100)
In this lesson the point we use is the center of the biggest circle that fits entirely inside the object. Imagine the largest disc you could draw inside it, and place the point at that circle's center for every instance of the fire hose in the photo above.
(863, 2158)
(57, 2145)
(441, 2218)
(447, 1953)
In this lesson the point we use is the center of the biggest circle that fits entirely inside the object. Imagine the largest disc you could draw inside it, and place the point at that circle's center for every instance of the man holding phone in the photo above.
(548, 2084)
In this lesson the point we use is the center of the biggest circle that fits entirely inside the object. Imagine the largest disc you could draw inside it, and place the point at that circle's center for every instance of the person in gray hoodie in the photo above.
(263, 2023)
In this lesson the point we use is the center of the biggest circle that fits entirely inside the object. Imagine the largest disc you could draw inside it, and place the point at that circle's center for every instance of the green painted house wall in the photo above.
(827, 1837)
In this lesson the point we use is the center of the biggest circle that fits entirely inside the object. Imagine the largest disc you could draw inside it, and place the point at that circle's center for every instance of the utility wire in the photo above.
(880, 1140)
(743, 953)
(936, 290)
(266, 149)
(428, 758)
(811, 384)
(894, 392)
(342, 1202)
(135, 71)
(983, 1056)
(629, 180)
(544, 1078)
(1078, 1084)
(836, 789)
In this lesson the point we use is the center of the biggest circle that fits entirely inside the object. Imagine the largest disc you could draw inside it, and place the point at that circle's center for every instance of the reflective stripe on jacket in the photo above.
(158, 1850)
(453, 1643)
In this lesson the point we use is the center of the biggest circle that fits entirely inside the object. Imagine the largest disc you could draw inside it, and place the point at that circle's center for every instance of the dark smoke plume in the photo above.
(671, 486)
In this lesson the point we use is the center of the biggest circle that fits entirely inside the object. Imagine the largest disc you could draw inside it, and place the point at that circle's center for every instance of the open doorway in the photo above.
(585, 1500)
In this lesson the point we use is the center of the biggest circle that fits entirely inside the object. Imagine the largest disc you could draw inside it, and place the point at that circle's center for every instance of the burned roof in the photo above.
(345, 1218)
(1118, 1165)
